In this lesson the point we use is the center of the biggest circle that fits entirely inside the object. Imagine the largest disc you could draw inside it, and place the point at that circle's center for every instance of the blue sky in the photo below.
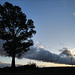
(54, 21)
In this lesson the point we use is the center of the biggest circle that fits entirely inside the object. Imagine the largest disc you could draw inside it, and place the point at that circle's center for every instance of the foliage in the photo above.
(15, 30)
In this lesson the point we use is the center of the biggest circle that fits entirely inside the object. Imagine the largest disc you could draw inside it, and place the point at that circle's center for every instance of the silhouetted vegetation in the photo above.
(15, 30)
(32, 69)
(19, 68)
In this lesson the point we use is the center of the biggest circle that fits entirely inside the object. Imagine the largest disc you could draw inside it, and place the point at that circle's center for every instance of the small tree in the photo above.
(15, 30)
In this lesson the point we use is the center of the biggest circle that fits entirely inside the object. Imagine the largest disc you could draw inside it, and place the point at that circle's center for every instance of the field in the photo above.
(32, 70)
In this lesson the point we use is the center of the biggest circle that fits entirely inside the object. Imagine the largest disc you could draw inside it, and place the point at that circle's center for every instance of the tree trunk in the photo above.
(13, 61)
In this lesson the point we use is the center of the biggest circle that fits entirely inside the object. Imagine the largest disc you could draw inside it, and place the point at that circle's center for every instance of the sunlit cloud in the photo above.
(41, 46)
(73, 51)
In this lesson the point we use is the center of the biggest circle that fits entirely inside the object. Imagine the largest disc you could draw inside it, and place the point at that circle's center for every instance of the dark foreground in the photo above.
(32, 70)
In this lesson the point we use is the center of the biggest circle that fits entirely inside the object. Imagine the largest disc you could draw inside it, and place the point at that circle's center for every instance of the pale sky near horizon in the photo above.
(54, 21)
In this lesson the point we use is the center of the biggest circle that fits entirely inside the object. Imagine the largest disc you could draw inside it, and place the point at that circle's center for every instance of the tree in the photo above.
(15, 30)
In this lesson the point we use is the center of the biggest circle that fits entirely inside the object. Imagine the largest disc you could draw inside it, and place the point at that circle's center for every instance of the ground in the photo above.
(33, 70)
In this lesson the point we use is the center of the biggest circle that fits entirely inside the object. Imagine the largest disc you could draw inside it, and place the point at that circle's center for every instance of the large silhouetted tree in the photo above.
(15, 30)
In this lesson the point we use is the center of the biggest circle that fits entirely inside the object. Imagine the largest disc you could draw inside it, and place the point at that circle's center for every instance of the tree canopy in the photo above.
(15, 30)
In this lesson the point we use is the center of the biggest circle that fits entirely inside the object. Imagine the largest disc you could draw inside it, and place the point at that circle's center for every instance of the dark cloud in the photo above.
(66, 53)
(64, 57)
(41, 54)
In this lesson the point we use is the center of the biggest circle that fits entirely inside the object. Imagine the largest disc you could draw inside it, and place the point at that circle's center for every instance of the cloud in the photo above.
(66, 53)
(41, 46)
(4, 64)
(73, 14)
(73, 51)
(41, 54)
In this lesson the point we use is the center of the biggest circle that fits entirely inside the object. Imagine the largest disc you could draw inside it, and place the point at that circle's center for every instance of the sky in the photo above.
(54, 22)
